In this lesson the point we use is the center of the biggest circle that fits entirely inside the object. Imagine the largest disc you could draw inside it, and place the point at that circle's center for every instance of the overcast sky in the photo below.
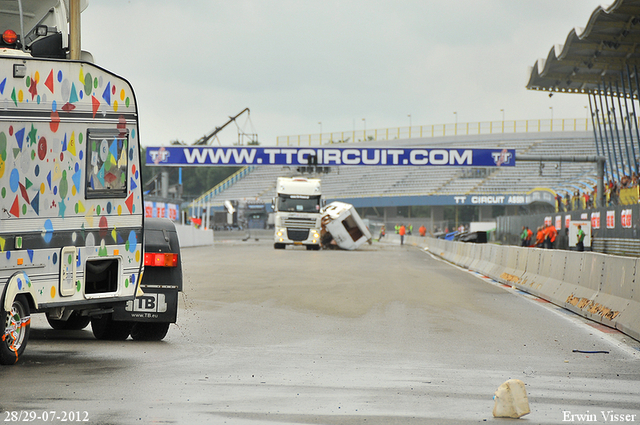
(296, 63)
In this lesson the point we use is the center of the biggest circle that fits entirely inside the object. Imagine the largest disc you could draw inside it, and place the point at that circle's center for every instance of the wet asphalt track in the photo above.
(384, 335)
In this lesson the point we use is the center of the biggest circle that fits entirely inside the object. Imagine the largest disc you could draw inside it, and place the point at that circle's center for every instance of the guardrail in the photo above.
(438, 130)
(600, 287)
(221, 186)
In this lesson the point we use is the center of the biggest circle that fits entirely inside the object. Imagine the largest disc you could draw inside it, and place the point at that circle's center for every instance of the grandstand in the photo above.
(389, 186)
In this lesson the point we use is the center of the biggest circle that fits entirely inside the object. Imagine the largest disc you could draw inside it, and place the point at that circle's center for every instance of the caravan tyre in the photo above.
(16, 325)
(107, 329)
(149, 331)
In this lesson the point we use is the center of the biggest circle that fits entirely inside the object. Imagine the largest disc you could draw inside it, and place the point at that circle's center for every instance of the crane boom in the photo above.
(204, 140)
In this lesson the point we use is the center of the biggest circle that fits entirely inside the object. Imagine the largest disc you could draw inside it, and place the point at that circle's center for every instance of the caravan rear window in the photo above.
(106, 164)
(352, 228)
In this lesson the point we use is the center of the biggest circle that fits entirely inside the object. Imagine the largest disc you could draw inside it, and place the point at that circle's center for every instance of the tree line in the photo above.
(195, 180)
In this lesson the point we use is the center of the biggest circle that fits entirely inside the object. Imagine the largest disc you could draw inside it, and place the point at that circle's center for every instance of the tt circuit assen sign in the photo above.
(182, 156)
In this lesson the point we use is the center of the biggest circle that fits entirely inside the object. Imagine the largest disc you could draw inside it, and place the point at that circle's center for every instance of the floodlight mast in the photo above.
(599, 160)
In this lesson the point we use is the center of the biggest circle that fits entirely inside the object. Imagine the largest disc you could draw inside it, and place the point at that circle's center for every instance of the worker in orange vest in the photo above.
(403, 231)
(540, 237)
(551, 234)
(422, 230)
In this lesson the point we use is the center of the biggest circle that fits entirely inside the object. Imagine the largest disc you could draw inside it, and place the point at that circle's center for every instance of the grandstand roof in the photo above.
(594, 55)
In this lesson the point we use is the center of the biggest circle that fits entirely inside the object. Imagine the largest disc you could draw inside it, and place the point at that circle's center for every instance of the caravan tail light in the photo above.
(158, 259)
(9, 37)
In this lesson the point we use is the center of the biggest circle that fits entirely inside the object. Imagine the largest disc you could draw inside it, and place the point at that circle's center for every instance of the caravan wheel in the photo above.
(105, 328)
(149, 331)
(16, 325)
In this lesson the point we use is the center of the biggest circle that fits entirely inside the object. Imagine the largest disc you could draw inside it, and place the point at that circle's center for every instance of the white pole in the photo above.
(208, 214)
(201, 212)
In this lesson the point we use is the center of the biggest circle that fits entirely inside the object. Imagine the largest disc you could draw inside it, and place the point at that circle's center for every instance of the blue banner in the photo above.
(537, 195)
(184, 156)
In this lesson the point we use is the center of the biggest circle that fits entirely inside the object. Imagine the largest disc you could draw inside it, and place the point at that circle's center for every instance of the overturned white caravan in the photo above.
(342, 226)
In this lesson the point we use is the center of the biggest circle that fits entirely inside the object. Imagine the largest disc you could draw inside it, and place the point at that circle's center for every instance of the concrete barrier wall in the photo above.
(190, 236)
(600, 287)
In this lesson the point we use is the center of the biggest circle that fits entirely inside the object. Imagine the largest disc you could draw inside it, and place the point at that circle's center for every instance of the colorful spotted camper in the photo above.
(71, 208)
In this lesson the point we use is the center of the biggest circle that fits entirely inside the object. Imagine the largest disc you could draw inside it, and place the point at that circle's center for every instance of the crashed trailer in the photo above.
(344, 225)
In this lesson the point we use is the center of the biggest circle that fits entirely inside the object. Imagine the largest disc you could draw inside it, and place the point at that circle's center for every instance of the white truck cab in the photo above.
(297, 208)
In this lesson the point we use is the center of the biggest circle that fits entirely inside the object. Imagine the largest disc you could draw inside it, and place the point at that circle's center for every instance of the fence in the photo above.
(439, 130)
(614, 229)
